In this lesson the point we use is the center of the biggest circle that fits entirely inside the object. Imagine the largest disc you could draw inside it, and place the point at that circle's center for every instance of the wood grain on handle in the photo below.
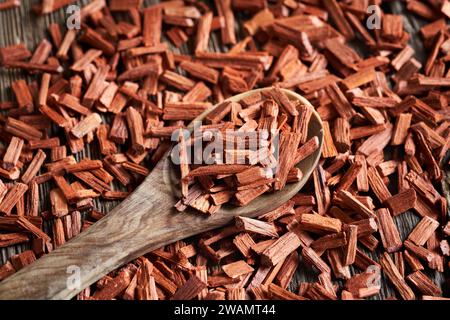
(143, 222)
(106, 245)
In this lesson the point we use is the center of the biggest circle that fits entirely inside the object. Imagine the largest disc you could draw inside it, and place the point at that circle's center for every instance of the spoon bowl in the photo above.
(267, 201)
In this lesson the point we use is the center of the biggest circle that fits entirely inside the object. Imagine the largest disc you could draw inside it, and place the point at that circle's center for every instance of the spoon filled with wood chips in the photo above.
(242, 158)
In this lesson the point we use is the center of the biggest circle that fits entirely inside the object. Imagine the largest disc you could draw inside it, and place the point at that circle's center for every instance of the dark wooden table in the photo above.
(21, 25)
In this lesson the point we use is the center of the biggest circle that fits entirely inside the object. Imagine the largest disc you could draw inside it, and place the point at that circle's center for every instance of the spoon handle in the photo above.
(142, 222)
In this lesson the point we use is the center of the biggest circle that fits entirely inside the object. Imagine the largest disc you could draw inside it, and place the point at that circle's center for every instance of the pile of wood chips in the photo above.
(117, 84)
(233, 158)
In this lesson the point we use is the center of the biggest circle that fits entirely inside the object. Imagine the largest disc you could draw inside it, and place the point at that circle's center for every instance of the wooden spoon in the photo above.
(143, 222)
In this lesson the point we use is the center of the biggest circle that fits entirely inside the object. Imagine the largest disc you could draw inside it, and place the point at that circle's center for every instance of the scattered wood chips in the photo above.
(120, 85)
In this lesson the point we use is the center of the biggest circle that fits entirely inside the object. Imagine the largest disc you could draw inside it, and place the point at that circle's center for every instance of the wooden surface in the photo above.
(20, 25)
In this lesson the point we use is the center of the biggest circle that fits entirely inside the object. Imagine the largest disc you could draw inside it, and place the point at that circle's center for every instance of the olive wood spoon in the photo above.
(143, 222)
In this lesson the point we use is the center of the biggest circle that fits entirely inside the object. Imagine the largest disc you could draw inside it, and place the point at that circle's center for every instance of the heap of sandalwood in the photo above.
(254, 145)
(92, 110)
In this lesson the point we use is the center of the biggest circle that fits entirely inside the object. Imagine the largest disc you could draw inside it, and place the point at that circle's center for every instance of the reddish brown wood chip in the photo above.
(190, 289)
(103, 104)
